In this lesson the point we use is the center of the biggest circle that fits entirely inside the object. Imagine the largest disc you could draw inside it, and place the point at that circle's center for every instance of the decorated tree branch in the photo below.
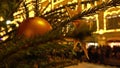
(35, 43)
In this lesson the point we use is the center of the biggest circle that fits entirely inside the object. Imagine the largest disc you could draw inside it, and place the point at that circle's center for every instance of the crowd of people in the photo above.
(101, 54)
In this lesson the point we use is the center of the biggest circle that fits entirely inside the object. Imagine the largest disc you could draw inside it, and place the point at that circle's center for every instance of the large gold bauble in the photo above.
(34, 26)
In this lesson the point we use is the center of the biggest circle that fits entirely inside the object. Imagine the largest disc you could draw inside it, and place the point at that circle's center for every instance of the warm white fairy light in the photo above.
(1, 18)
(4, 38)
(10, 29)
(101, 31)
(1, 34)
(31, 14)
(69, 2)
(88, 6)
(8, 22)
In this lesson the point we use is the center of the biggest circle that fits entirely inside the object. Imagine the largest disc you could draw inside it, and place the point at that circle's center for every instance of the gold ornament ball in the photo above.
(34, 26)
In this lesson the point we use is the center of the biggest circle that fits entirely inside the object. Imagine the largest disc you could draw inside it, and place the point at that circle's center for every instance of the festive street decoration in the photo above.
(34, 26)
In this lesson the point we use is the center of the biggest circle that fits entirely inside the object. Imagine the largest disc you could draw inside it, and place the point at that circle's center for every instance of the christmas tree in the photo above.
(39, 41)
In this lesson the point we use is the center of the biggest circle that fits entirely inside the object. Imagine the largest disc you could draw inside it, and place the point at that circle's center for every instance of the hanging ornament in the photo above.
(34, 26)
(82, 30)
(81, 26)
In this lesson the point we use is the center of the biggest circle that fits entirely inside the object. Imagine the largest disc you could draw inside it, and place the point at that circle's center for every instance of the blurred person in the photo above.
(100, 56)
(93, 56)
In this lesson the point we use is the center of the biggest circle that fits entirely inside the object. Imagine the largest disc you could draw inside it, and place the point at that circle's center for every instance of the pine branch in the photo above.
(21, 54)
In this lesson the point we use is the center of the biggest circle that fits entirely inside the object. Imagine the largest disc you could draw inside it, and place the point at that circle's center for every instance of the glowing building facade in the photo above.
(106, 23)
